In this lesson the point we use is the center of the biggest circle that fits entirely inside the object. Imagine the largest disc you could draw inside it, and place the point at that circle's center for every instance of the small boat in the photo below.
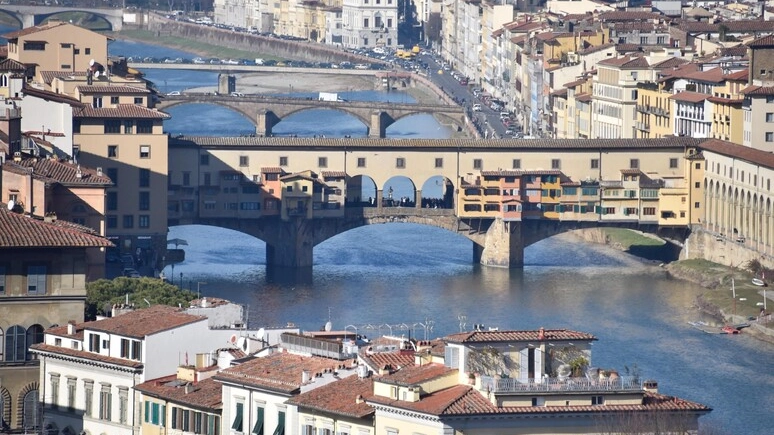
(759, 282)
(728, 329)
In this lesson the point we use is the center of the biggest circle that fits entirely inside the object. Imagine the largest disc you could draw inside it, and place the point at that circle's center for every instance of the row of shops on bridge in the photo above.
(506, 194)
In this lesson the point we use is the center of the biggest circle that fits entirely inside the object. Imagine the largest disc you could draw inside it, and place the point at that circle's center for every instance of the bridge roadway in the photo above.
(226, 68)
(266, 112)
(28, 16)
(373, 165)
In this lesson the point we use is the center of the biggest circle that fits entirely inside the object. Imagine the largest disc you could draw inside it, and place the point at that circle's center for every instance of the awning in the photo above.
(280, 430)
(258, 428)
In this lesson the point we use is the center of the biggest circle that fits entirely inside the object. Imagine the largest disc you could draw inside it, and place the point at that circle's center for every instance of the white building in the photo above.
(369, 23)
(88, 370)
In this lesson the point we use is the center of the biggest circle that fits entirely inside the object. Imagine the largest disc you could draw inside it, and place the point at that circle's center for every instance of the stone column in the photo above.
(418, 198)
(503, 246)
(293, 246)
(375, 130)
(379, 193)
(264, 121)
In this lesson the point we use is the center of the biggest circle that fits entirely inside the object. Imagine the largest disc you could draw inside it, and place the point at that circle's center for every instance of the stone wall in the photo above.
(702, 244)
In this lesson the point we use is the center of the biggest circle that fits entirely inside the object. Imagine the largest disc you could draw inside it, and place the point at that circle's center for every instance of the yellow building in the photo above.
(727, 112)
(57, 46)
(653, 111)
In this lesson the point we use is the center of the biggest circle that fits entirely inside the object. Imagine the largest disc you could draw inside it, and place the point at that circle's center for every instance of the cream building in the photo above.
(615, 96)
(369, 23)
(494, 16)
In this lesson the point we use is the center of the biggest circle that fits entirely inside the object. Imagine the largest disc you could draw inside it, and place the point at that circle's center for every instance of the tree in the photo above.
(102, 294)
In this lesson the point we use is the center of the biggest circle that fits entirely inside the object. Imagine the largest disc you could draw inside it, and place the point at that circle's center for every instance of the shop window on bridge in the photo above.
(608, 210)
(589, 191)
(250, 206)
(649, 211)
(628, 211)
(569, 190)
(472, 207)
(513, 207)
(489, 192)
(491, 207)
(473, 191)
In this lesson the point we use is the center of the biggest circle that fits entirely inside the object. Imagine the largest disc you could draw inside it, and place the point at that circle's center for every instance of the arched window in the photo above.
(34, 336)
(2, 346)
(3, 80)
(5, 410)
(15, 343)
(31, 410)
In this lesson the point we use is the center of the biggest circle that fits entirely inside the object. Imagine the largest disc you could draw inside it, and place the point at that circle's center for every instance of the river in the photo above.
(408, 274)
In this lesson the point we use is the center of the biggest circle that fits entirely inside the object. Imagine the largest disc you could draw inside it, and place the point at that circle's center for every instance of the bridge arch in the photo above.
(400, 191)
(79, 17)
(295, 111)
(361, 190)
(16, 18)
(437, 192)
(229, 114)
(443, 118)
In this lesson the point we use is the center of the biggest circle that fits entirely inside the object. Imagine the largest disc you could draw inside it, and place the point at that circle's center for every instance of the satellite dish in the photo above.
(96, 74)
(261, 333)
(92, 62)
(242, 343)
(328, 326)
(233, 339)
(11, 205)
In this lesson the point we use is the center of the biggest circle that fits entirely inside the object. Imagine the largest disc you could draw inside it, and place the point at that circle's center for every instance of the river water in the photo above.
(380, 277)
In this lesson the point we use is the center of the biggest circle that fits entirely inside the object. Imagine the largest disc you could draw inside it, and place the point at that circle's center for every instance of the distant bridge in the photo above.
(28, 16)
(266, 112)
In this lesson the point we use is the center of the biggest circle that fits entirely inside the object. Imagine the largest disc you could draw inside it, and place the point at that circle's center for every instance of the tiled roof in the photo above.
(595, 48)
(62, 331)
(625, 62)
(206, 394)
(413, 375)
(122, 89)
(758, 90)
(333, 174)
(518, 172)
(689, 97)
(738, 26)
(629, 16)
(395, 359)
(504, 336)
(560, 93)
(120, 111)
(736, 51)
(583, 98)
(742, 74)
(52, 96)
(765, 41)
(631, 172)
(720, 100)
(272, 170)
(282, 372)
(575, 83)
(82, 354)
(62, 172)
(463, 400)
(145, 321)
(12, 65)
(22, 231)
(739, 152)
(670, 63)
(339, 398)
(393, 144)
(33, 29)
(49, 76)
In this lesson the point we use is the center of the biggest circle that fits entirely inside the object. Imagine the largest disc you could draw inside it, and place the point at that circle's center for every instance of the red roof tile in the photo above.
(33, 29)
(133, 111)
(736, 26)
(412, 375)
(380, 360)
(758, 90)
(689, 97)
(51, 96)
(206, 394)
(333, 174)
(63, 172)
(282, 372)
(22, 231)
(12, 65)
(340, 397)
(272, 170)
(121, 89)
(65, 352)
(459, 399)
(751, 155)
(505, 336)
(145, 321)
(629, 16)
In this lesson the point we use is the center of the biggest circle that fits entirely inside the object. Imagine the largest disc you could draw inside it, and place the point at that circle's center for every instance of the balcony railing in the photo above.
(509, 385)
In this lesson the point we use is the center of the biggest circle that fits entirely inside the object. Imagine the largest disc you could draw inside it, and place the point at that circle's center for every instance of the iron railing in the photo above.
(510, 385)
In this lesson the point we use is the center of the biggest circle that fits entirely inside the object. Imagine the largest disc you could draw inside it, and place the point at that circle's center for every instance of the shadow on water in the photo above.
(666, 253)
(289, 276)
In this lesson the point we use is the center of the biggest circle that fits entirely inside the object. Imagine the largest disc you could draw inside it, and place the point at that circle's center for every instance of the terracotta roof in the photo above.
(689, 97)
(12, 65)
(49, 76)
(736, 26)
(583, 98)
(120, 89)
(22, 231)
(670, 63)
(281, 372)
(595, 48)
(758, 90)
(626, 62)
(33, 29)
(380, 360)
(736, 51)
(51, 96)
(752, 155)
(272, 170)
(120, 111)
(560, 93)
(333, 174)
(627, 48)
(412, 375)
(631, 172)
(340, 397)
(742, 74)
(59, 171)
(464, 400)
(629, 16)
(516, 173)
(504, 336)
(204, 394)
(145, 321)
(82, 354)
(575, 83)
(62, 331)
(765, 41)
(720, 100)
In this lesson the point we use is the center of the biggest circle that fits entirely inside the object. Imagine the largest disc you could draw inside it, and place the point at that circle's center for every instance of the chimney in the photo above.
(359, 399)
(71, 327)
(650, 386)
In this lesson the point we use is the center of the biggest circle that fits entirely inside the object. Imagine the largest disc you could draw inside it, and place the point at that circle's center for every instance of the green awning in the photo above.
(258, 428)
(280, 430)
(237, 425)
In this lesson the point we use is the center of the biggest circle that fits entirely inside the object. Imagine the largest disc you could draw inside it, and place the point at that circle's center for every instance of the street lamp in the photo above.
(198, 288)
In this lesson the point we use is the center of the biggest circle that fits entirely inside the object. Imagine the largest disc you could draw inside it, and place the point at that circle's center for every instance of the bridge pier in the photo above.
(264, 122)
(379, 123)
(418, 198)
(294, 244)
(503, 245)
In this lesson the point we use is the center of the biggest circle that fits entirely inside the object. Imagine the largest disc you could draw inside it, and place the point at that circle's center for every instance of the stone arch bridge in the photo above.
(266, 112)
(28, 16)
(496, 243)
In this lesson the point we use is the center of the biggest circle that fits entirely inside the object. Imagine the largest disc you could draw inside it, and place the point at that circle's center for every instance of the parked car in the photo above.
(173, 93)
(237, 94)
(477, 107)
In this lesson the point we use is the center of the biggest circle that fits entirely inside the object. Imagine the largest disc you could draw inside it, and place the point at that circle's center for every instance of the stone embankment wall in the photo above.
(293, 50)
(721, 250)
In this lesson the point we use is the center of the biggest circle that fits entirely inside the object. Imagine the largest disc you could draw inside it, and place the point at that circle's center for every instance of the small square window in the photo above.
(304, 188)
(594, 163)
(361, 162)
(283, 161)
(400, 162)
(769, 136)
(144, 151)
(244, 161)
(138, 100)
(439, 163)
(556, 164)
(697, 184)
(516, 163)
(634, 163)
(322, 162)
(696, 205)
(478, 164)
(204, 159)
(113, 151)
(673, 163)
(128, 221)
(113, 99)
(87, 51)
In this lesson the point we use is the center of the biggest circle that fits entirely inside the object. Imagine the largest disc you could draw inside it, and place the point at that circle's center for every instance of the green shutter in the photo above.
(147, 411)
(237, 425)
(280, 430)
(163, 415)
(258, 428)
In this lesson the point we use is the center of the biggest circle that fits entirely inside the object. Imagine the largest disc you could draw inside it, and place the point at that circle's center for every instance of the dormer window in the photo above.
(97, 102)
